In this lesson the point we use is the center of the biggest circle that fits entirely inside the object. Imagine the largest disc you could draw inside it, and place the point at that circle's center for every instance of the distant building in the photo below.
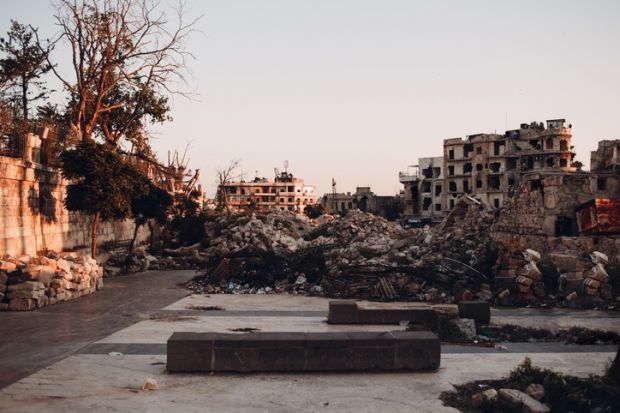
(285, 193)
(488, 166)
(606, 157)
(363, 199)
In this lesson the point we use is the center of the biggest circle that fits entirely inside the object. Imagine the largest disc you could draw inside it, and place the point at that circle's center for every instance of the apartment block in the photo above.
(285, 192)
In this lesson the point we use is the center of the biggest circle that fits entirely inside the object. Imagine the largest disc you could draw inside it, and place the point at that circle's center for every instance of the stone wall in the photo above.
(33, 218)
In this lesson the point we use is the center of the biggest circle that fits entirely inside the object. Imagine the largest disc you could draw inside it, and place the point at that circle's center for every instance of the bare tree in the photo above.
(224, 176)
(124, 54)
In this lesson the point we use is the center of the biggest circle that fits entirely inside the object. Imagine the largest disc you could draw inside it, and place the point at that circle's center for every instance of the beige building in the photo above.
(485, 165)
(285, 193)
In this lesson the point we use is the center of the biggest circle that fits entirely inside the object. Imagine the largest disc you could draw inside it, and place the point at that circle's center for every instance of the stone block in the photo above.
(209, 352)
(190, 352)
(480, 311)
(417, 350)
(21, 304)
(342, 312)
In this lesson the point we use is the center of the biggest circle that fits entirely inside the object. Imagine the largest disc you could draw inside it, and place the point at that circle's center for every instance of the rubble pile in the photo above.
(533, 389)
(274, 231)
(584, 276)
(357, 255)
(29, 282)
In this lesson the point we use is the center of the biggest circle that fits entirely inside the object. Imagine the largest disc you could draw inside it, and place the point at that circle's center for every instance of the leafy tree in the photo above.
(24, 62)
(140, 104)
(154, 204)
(188, 222)
(314, 210)
(102, 183)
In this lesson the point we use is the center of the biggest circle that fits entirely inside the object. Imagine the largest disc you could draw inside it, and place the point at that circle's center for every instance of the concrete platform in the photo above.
(297, 352)
(106, 373)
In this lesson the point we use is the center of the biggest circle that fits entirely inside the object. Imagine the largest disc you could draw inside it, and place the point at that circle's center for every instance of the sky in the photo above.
(357, 90)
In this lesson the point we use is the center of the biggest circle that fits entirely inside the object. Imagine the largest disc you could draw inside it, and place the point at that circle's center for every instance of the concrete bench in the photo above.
(283, 351)
(348, 312)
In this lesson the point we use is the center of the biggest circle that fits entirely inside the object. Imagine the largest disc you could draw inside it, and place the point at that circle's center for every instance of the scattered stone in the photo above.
(149, 384)
(38, 281)
(530, 405)
(535, 390)
(489, 395)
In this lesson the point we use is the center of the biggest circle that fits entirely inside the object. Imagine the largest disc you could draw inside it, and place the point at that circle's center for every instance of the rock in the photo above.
(505, 293)
(535, 390)
(149, 384)
(530, 405)
(531, 256)
(599, 258)
(467, 327)
(7, 266)
(476, 400)
(490, 395)
(20, 304)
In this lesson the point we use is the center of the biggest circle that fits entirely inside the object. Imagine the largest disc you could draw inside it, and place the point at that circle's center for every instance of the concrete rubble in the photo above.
(30, 282)
(360, 255)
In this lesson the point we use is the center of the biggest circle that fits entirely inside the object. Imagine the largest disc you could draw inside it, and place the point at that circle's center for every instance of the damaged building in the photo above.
(365, 200)
(286, 193)
(488, 166)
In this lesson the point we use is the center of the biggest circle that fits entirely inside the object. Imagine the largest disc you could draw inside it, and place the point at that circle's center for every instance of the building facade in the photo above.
(285, 192)
(488, 166)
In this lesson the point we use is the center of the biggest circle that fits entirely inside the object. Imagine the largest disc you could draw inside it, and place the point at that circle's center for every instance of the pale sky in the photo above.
(357, 90)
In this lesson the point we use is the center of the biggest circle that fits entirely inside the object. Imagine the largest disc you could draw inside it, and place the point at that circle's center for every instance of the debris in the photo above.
(536, 391)
(115, 354)
(27, 283)
(149, 384)
(521, 399)
(563, 393)
(467, 327)
(490, 395)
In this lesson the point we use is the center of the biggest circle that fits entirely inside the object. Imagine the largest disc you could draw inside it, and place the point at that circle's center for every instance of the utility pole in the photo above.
(333, 196)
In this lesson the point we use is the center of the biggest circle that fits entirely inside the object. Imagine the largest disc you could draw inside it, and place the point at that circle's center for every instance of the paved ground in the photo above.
(105, 361)
(40, 338)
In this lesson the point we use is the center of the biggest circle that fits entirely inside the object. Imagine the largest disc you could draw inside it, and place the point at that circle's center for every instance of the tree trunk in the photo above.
(133, 240)
(93, 234)
(25, 98)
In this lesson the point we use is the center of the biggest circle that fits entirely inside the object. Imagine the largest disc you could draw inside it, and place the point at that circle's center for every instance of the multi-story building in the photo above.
(485, 165)
(285, 193)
